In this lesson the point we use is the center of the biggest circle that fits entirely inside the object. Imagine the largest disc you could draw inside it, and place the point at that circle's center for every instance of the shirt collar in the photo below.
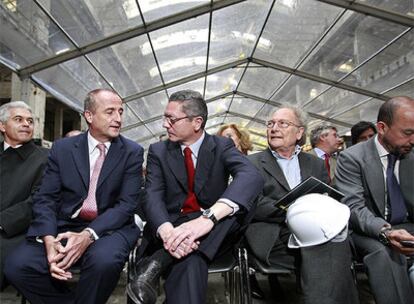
(6, 145)
(380, 148)
(92, 143)
(298, 149)
(319, 152)
(195, 147)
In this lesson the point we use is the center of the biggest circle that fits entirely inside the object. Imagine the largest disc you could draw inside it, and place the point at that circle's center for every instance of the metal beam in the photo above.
(316, 78)
(278, 104)
(152, 119)
(189, 78)
(373, 11)
(128, 34)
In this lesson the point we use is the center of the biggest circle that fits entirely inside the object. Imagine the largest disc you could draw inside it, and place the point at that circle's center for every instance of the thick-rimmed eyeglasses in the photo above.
(172, 121)
(283, 124)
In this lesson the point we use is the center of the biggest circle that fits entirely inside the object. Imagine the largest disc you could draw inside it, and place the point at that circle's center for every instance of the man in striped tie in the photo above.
(83, 212)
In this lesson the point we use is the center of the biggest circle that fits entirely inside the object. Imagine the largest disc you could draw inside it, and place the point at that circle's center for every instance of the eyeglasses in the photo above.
(283, 124)
(172, 121)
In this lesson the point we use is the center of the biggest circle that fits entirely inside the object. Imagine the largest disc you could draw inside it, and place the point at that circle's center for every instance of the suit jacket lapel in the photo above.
(176, 162)
(305, 168)
(81, 158)
(375, 178)
(271, 166)
(406, 172)
(205, 160)
(111, 160)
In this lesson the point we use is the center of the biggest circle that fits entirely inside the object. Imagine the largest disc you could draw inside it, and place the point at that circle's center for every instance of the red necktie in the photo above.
(89, 209)
(190, 204)
(328, 167)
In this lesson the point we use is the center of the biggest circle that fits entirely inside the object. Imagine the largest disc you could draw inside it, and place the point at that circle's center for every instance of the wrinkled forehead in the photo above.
(25, 113)
(284, 114)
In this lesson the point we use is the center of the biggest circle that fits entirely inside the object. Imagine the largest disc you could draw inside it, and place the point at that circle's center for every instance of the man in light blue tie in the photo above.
(377, 178)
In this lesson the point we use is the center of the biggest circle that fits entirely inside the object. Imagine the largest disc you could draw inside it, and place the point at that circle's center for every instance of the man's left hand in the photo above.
(184, 238)
(76, 245)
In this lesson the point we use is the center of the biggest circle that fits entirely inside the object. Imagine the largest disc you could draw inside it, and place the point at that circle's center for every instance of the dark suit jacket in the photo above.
(66, 182)
(360, 177)
(166, 184)
(20, 173)
(264, 230)
(21, 170)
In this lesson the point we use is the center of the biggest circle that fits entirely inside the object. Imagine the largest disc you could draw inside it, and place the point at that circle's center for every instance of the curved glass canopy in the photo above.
(336, 59)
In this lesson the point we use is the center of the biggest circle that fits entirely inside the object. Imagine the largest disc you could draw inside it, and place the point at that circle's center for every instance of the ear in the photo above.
(299, 134)
(198, 121)
(2, 127)
(88, 116)
(382, 127)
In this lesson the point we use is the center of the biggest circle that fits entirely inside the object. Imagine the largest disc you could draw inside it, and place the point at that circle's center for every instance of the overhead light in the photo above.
(10, 5)
(176, 38)
(147, 6)
(313, 93)
(179, 63)
(62, 51)
(289, 3)
(346, 67)
(131, 9)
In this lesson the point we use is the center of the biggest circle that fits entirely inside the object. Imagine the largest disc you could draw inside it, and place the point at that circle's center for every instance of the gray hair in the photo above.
(192, 103)
(301, 117)
(318, 132)
(5, 109)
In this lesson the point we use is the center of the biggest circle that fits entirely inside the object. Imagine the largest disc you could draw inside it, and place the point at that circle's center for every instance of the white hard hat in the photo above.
(315, 219)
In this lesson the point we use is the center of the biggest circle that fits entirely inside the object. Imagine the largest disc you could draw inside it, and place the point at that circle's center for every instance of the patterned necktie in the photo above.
(89, 210)
(395, 197)
(327, 165)
(190, 204)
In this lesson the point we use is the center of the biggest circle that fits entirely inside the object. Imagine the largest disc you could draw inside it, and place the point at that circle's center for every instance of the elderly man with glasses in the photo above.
(325, 269)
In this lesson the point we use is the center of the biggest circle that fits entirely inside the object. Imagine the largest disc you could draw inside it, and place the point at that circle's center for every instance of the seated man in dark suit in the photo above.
(377, 178)
(190, 208)
(83, 212)
(21, 168)
(325, 269)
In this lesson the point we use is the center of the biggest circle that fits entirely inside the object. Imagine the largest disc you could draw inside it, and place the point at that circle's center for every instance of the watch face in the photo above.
(207, 213)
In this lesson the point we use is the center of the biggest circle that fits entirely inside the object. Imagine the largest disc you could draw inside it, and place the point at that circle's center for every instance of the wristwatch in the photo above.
(91, 236)
(383, 237)
(208, 214)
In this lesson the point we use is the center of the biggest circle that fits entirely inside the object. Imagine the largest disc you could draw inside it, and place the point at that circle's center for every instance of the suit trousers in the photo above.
(387, 269)
(7, 245)
(325, 269)
(101, 264)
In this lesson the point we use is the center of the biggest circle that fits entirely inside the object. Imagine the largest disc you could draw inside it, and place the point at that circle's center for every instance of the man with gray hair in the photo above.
(21, 168)
(325, 143)
(325, 268)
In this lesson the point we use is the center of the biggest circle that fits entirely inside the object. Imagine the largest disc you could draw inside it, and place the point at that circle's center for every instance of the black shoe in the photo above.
(255, 289)
(143, 286)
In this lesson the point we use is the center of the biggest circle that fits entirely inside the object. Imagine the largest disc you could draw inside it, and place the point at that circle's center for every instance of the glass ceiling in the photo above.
(336, 59)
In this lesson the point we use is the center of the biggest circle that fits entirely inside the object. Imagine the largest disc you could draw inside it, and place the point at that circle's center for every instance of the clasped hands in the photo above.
(61, 257)
(184, 239)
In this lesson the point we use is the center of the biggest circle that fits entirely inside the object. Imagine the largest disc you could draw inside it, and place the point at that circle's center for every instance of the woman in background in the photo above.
(241, 138)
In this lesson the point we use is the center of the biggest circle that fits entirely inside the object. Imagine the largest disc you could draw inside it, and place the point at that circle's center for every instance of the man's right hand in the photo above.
(167, 231)
(54, 255)
(397, 235)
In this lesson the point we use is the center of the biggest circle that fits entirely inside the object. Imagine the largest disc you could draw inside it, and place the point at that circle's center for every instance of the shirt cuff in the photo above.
(231, 204)
(91, 231)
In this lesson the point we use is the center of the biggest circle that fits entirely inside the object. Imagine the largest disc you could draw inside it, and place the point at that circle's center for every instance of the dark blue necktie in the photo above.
(395, 197)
